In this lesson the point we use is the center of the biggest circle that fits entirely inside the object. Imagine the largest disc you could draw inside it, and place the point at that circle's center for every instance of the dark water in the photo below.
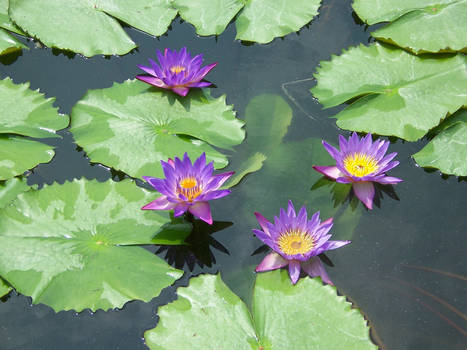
(406, 266)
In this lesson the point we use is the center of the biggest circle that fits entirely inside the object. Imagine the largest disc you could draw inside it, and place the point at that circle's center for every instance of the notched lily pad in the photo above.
(448, 149)
(418, 25)
(4, 288)
(25, 113)
(74, 246)
(131, 127)
(301, 317)
(398, 93)
(91, 27)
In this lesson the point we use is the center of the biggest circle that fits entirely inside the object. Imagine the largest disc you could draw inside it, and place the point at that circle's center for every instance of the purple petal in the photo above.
(202, 211)
(152, 80)
(314, 268)
(160, 203)
(199, 163)
(204, 71)
(264, 238)
(158, 184)
(330, 171)
(342, 144)
(180, 90)
(389, 180)
(326, 222)
(263, 223)
(219, 179)
(147, 69)
(331, 150)
(216, 195)
(290, 209)
(343, 180)
(200, 84)
(390, 166)
(294, 271)
(270, 262)
(180, 209)
(365, 191)
(331, 245)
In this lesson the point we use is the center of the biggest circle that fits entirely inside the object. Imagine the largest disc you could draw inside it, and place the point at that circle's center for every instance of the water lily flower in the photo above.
(296, 242)
(360, 162)
(176, 71)
(187, 187)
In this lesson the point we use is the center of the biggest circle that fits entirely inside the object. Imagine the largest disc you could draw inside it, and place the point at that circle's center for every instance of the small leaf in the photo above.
(263, 20)
(420, 26)
(11, 188)
(305, 316)
(72, 246)
(448, 150)
(4, 288)
(132, 128)
(250, 165)
(402, 94)
(9, 44)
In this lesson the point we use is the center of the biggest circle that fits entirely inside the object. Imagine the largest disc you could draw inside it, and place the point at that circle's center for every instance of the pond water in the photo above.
(406, 266)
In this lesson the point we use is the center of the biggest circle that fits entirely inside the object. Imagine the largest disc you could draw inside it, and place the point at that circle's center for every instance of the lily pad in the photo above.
(9, 44)
(131, 127)
(258, 20)
(398, 93)
(91, 27)
(4, 288)
(418, 25)
(10, 189)
(73, 246)
(305, 316)
(448, 150)
(29, 114)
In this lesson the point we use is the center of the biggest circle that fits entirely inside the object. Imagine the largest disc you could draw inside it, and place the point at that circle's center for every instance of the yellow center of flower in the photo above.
(189, 187)
(360, 164)
(177, 69)
(295, 242)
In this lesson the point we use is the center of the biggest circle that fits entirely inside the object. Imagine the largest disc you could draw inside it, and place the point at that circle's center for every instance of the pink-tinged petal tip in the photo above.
(329, 171)
(272, 261)
(365, 191)
(202, 211)
(160, 203)
(263, 223)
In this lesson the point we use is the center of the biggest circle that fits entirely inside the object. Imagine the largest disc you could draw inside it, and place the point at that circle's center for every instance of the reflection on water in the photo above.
(406, 265)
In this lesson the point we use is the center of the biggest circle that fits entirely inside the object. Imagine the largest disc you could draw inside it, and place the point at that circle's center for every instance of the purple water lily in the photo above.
(296, 242)
(360, 162)
(178, 71)
(187, 187)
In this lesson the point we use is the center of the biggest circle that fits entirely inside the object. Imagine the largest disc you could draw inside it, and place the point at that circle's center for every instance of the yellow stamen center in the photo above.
(177, 69)
(360, 164)
(293, 242)
(189, 187)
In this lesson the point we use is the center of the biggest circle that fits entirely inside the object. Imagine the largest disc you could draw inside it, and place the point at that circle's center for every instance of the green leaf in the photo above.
(305, 316)
(87, 26)
(448, 150)
(131, 127)
(5, 21)
(248, 166)
(72, 246)
(9, 44)
(4, 288)
(263, 20)
(210, 17)
(420, 26)
(402, 94)
(29, 114)
(11, 188)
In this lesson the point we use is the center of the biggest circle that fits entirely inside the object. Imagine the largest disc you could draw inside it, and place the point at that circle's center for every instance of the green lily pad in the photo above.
(258, 20)
(10, 189)
(9, 44)
(401, 94)
(4, 288)
(263, 20)
(305, 316)
(131, 127)
(73, 246)
(418, 25)
(91, 27)
(448, 150)
(29, 114)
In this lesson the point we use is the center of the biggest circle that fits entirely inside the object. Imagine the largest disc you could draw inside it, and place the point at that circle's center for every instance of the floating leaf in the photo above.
(263, 20)
(131, 127)
(420, 26)
(87, 26)
(11, 188)
(260, 20)
(249, 165)
(25, 113)
(4, 288)
(305, 316)
(448, 150)
(403, 95)
(72, 246)
(9, 44)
